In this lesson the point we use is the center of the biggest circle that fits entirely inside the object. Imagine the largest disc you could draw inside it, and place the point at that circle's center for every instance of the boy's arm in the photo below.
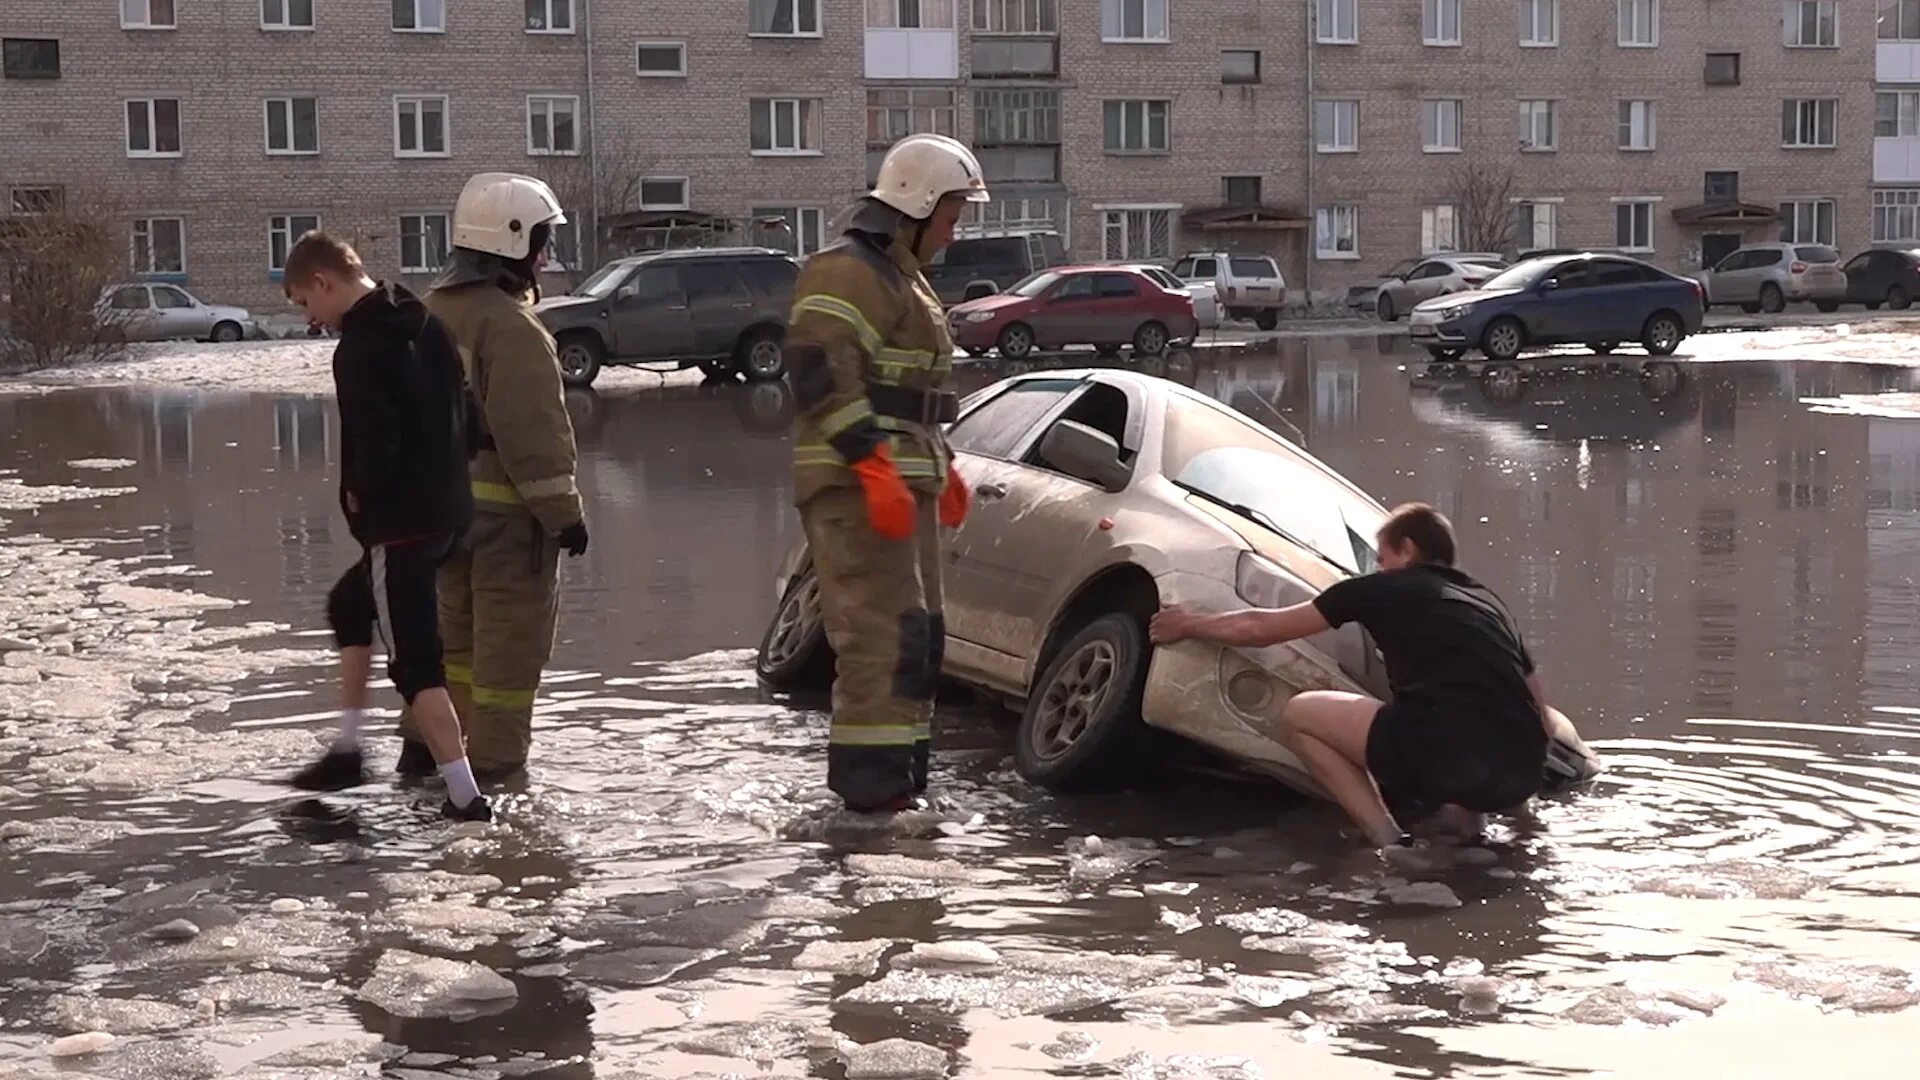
(1252, 628)
(368, 388)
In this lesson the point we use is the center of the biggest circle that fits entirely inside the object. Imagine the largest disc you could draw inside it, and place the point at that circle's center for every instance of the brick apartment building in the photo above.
(1338, 135)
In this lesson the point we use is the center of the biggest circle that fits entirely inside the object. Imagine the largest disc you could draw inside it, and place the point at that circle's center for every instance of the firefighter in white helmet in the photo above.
(870, 359)
(498, 594)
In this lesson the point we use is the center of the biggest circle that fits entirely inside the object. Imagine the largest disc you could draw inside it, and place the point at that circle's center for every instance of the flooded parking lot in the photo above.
(1716, 565)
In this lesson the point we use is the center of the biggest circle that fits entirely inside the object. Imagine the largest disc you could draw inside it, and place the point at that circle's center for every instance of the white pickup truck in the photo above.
(1247, 286)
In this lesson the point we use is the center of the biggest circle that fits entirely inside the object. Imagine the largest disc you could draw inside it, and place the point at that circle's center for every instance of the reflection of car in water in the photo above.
(1568, 402)
(1099, 496)
(763, 410)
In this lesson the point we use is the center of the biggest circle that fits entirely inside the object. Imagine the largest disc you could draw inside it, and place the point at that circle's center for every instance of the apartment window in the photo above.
(1240, 190)
(1807, 122)
(1136, 234)
(293, 125)
(893, 114)
(783, 18)
(420, 16)
(1133, 20)
(423, 243)
(1813, 24)
(1440, 22)
(1240, 65)
(1639, 23)
(1016, 16)
(37, 200)
(660, 59)
(420, 126)
(30, 58)
(797, 230)
(1896, 216)
(563, 245)
(286, 14)
(284, 231)
(1439, 229)
(1536, 224)
(153, 127)
(1723, 69)
(1137, 127)
(1336, 126)
(146, 14)
(910, 14)
(1539, 129)
(1336, 22)
(1336, 232)
(553, 125)
(1539, 23)
(1633, 225)
(1440, 126)
(1806, 221)
(1900, 20)
(664, 193)
(549, 16)
(1896, 114)
(1636, 125)
(1016, 117)
(1721, 186)
(784, 125)
(159, 246)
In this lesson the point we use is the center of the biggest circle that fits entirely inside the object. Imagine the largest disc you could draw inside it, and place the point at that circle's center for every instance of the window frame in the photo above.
(1888, 206)
(266, 119)
(1431, 109)
(1259, 189)
(1533, 207)
(1799, 142)
(1632, 206)
(802, 214)
(686, 193)
(146, 22)
(1809, 207)
(446, 232)
(979, 8)
(912, 109)
(1433, 24)
(1320, 143)
(1646, 122)
(549, 100)
(419, 128)
(1621, 8)
(807, 122)
(8, 71)
(1128, 253)
(286, 25)
(1530, 144)
(813, 5)
(1329, 11)
(1530, 23)
(1333, 213)
(1430, 219)
(1143, 128)
(1227, 79)
(1706, 194)
(1796, 23)
(153, 129)
(417, 28)
(659, 43)
(573, 19)
(150, 273)
(1119, 19)
(281, 226)
(17, 206)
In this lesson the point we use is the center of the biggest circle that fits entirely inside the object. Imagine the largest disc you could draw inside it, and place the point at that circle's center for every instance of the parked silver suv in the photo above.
(1764, 277)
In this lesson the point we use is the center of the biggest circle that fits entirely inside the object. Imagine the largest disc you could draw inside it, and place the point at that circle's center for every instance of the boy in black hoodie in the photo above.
(405, 491)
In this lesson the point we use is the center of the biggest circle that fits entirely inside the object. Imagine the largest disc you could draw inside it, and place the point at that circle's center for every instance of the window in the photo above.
(1538, 130)
(159, 246)
(168, 298)
(664, 193)
(796, 230)
(1721, 186)
(420, 16)
(1723, 69)
(784, 125)
(284, 231)
(1539, 23)
(293, 125)
(1896, 215)
(1439, 229)
(997, 428)
(153, 127)
(1240, 66)
(1812, 24)
(286, 14)
(893, 114)
(1137, 127)
(1016, 16)
(1133, 20)
(420, 127)
(1336, 126)
(131, 298)
(423, 243)
(1440, 22)
(660, 59)
(1806, 221)
(549, 16)
(1807, 122)
(146, 14)
(910, 14)
(563, 246)
(1016, 117)
(1536, 224)
(1336, 232)
(1440, 126)
(1136, 234)
(1633, 225)
(1900, 20)
(30, 58)
(1639, 23)
(37, 200)
(1636, 125)
(1896, 114)
(783, 18)
(553, 125)
(1336, 22)
(1240, 190)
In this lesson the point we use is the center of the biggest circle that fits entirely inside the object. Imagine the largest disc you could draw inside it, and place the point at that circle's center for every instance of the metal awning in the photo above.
(1224, 218)
(1724, 213)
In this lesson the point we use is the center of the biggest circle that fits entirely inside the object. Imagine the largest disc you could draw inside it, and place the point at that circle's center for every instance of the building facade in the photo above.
(1340, 136)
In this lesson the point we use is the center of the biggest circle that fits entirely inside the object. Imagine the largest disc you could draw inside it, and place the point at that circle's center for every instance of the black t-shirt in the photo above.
(1448, 641)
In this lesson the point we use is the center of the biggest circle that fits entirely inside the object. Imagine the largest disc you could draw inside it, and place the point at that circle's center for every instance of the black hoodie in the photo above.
(404, 417)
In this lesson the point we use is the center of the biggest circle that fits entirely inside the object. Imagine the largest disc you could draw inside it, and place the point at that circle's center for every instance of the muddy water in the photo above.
(1718, 577)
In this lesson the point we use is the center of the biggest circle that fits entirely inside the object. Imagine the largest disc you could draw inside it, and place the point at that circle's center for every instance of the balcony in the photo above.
(1897, 62)
(894, 53)
(1896, 160)
(998, 56)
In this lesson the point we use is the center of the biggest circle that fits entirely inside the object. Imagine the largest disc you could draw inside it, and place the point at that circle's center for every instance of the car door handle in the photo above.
(990, 492)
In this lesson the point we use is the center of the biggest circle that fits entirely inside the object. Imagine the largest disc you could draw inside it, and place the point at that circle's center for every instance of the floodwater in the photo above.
(1718, 577)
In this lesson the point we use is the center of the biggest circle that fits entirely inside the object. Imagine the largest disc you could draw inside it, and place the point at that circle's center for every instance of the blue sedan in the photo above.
(1599, 301)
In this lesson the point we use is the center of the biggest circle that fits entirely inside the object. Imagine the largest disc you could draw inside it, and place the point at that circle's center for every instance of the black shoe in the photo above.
(415, 760)
(337, 771)
(477, 810)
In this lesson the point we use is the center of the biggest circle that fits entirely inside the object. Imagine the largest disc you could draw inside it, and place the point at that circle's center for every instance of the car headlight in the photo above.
(1258, 581)
(1457, 311)
(979, 316)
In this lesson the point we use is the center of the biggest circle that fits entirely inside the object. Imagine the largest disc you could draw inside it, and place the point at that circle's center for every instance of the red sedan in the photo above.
(1103, 306)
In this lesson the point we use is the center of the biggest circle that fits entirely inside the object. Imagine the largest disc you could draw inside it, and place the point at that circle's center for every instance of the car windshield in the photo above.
(1816, 253)
(1162, 278)
(604, 281)
(991, 251)
(1035, 284)
(1523, 275)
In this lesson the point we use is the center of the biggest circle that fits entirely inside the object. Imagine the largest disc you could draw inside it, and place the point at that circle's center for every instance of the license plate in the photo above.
(1421, 330)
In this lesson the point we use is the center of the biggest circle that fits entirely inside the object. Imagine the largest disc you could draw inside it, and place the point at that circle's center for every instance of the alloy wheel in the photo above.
(1070, 703)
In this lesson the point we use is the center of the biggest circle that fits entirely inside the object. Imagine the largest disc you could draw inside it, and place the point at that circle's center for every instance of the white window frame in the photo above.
(1434, 128)
(1535, 206)
(1896, 215)
(1439, 229)
(547, 102)
(573, 18)
(418, 27)
(152, 105)
(927, 15)
(419, 128)
(1826, 16)
(1326, 136)
(808, 224)
(1336, 22)
(1629, 33)
(1639, 126)
(1530, 20)
(446, 231)
(1800, 140)
(562, 236)
(1136, 123)
(798, 7)
(685, 202)
(1034, 17)
(285, 23)
(133, 246)
(1906, 113)
(1433, 23)
(1634, 206)
(1531, 110)
(130, 21)
(292, 148)
(280, 227)
(1112, 214)
(1113, 22)
(679, 73)
(807, 121)
(1326, 221)
(1809, 208)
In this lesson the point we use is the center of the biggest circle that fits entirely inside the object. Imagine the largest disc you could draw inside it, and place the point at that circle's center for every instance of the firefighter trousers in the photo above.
(881, 602)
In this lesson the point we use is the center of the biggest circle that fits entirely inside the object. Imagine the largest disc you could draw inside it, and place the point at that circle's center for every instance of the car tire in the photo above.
(1663, 333)
(1150, 339)
(760, 356)
(228, 332)
(1826, 307)
(1750, 307)
(1602, 348)
(1503, 384)
(794, 653)
(1772, 300)
(1384, 309)
(1898, 298)
(581, 356)
(1266, 319)
(1082, 725)
(1503, 339)
(1016, 341)
(973, 352)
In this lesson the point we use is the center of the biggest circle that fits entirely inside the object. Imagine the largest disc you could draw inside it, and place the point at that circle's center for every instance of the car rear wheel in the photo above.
(1267, 319)
(1827, 307)
(760, 356)
(1602, 348)
(1384, 308)
(1016, 341)
(1503, 339)
(1150, 339)
(794, 654)
(1772, 300)
(1897, 298)
(1663, 333)
(580, 358)
(228, 332)
(1082, 723)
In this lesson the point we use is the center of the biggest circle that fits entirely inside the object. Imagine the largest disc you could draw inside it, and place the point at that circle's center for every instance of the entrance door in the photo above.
(1717, 246)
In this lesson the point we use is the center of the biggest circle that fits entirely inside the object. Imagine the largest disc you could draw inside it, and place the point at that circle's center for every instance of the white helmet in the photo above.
(921, 169)
(497, 212)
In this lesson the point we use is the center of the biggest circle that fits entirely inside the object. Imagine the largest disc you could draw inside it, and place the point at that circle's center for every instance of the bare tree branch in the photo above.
(1483, 196)
(55, 267)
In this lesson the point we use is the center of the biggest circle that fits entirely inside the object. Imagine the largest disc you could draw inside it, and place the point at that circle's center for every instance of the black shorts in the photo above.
(391, 590)
(1424, 757)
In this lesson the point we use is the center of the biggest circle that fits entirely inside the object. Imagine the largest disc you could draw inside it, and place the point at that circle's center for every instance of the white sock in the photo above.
(461, 787)
(348, 737)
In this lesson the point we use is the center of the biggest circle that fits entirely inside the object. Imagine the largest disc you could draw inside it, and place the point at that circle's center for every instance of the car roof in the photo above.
(1087, 268)
(702, 253)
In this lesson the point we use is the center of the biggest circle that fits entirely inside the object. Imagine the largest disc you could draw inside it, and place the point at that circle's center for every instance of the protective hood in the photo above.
(467, 266)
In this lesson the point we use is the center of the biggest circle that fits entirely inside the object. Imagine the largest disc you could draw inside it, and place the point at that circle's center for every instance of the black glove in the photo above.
(573, 539)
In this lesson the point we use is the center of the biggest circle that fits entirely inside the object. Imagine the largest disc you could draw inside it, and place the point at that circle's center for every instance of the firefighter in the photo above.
(498, 593)
(869, 357)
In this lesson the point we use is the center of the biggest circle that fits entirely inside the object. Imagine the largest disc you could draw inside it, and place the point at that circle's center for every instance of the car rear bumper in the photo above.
(1815, 289)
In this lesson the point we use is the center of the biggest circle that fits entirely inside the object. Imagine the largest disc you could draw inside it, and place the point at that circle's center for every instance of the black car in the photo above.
(976, 266)
(1883, 276)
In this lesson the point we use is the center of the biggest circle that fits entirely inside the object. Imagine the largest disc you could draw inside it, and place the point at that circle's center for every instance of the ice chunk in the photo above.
(437, 883)
(895, 1059)
(1093, 859)
(1071, 1046)
(1269, 991)
(646, 965)
(764, 1041)
(1268, 921)
(91, 1042)
(336, 1053)
(1731, 880)
(177, 930)
(902, 868)
(1461, 967)
(1026, 983)
(1168, 888)
(1616, 1005)
(409, 985)
(287, 906)
(951, 954)
(1871, 988)
(1423, 894)
(1180, 921)
(842, 957)
(118, 1016)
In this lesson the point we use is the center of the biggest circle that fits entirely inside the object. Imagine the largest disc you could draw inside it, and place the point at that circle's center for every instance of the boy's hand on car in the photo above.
(1171, 626)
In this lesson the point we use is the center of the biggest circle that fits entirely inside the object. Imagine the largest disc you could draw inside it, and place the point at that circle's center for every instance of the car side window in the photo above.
(997, 428)
(1117, 285)
(1079, 287)
(1183, 268)
(1607, 272)
(130, 299)
(1101, 407)
(770, 277)
(1863, 261)
(1577, 276)
(1735, 261)
(653, 284)
(1205, 268)
(1763, 258)
(170, 299)
(713, 282)
(1429, 270)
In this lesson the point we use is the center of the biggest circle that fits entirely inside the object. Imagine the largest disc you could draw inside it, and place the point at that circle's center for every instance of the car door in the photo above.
(1066, 315)
(1425, 282)
(1116, 309)
(719, 307)
(1558, 312)
(130, 310)
(1764, 265)
(1863, 272)
(178, 315)
(1207, 268)
(1729, 281)
(649, 320)
(1616, 301)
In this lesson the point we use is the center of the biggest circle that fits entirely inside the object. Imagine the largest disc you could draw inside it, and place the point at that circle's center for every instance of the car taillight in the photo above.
(1797, 268)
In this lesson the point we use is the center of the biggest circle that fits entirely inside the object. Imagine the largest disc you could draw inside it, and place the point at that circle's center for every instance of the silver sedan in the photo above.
(1438, 276)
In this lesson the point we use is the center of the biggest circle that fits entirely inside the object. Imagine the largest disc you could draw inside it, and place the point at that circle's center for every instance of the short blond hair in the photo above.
(317, 253)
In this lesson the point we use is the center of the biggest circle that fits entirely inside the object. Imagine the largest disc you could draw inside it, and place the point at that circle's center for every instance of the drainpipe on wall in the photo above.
(1313, 219)
(593, 146)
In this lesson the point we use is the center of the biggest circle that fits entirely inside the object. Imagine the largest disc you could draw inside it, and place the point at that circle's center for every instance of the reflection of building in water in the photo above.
(1892, 630)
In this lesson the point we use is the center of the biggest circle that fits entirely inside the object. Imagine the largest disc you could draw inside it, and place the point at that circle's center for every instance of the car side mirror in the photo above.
(1548, 285)
(1084, 454)
(627, 291)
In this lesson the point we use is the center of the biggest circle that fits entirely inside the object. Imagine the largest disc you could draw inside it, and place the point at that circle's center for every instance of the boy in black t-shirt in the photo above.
(1466, 727)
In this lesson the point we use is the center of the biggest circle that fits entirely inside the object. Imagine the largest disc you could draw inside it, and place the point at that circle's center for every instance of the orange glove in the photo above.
(953, 500)
(890, 506)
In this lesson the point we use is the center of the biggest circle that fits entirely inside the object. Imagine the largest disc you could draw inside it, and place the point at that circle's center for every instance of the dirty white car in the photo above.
(1099, 496)
(142, 311)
